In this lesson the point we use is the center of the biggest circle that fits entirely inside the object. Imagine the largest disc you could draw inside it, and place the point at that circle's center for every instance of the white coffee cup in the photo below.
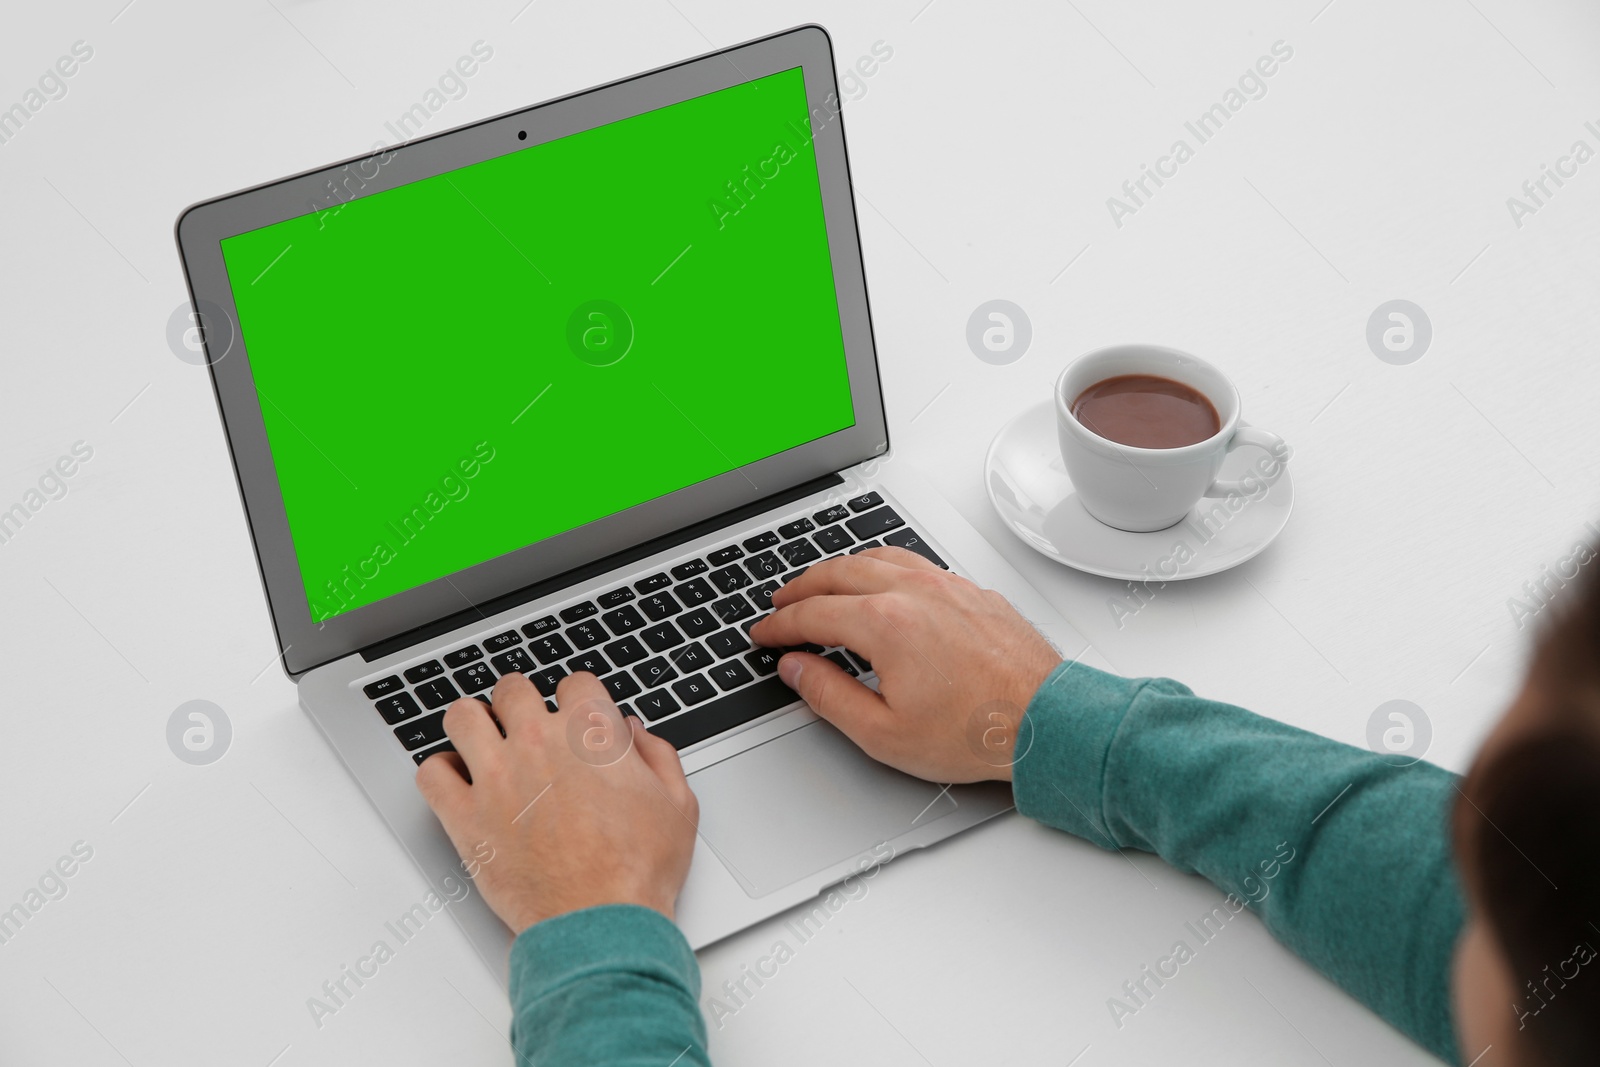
(1143, 489)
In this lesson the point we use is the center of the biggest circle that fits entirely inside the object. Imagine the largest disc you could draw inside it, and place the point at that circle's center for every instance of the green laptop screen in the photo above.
(465, 365)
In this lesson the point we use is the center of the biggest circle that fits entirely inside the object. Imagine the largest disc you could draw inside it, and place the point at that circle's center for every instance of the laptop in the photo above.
(577, 388)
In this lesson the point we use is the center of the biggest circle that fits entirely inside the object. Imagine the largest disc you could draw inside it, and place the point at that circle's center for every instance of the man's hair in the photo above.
(1529, 830)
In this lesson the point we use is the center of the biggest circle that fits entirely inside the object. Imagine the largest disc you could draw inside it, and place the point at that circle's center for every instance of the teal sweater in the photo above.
(1348, 857)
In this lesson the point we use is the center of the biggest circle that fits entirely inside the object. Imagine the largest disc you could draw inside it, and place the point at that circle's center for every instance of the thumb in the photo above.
(834, 695)
(662, 759)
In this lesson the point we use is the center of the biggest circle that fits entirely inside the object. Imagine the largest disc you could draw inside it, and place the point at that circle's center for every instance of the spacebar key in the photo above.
(716, 716)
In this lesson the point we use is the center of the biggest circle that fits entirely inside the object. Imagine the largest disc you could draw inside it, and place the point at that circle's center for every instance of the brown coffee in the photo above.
(1145, 411)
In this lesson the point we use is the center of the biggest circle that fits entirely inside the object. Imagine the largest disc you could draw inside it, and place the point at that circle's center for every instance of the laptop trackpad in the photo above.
(803, 802)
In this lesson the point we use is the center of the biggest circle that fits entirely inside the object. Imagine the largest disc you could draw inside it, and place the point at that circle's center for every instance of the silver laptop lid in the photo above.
(454, 369)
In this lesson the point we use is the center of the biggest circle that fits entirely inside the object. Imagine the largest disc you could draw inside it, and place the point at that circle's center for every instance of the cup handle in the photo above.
(1250, 435)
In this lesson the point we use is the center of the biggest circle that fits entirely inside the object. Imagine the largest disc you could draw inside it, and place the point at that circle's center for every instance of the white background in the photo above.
(1377, 167)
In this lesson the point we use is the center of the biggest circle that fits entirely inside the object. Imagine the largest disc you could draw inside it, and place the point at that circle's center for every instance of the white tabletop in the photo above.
(1377, 166)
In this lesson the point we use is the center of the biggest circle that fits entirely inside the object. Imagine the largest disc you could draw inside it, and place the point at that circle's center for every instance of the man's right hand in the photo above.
(956, 664)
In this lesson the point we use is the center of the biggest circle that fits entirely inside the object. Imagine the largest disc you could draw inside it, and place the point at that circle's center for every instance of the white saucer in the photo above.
(1029, 487)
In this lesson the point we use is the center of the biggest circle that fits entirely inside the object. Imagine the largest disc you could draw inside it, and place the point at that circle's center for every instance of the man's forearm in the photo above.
(613, 986)
(1369, 896)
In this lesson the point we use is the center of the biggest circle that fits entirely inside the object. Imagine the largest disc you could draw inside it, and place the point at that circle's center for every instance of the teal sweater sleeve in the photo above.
(1343, 856)
(610, 986)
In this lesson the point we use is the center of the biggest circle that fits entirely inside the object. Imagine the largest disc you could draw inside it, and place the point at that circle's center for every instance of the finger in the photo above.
(852, 621)
(471, 729)
(588, 719)
(443, 784)
(515, 702)
(842, 576)
(852, 707)
(579, 688)
(454, 759)
(900, 557)
(662, 759)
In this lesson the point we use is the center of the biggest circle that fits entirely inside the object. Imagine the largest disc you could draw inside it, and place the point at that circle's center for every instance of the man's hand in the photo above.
(574, 809)
(956, 664)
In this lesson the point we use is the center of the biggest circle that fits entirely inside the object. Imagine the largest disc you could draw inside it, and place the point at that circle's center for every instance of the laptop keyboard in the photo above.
(672, 648)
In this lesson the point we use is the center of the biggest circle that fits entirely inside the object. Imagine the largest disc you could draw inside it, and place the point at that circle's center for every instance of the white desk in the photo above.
(1377, 166)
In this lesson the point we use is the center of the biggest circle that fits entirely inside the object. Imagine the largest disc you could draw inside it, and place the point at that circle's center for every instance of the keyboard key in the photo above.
(750, 624)
(418, 757)
(764, 660)
(661, 636)
(792, 575)
(730, 674)
(721, 715)
(760, 541)
(578, 611)
(909, 539)
(654, 672)
(699, 621)
(517, 661)
(437, 693)
(621, 685)
(688, 570)
(475, 678)
(550, 648)
(765, 565)
(724, 555)
(463, 656)
(501, 642)
(652, 583)
(791, 530)
(693, 690)
(693, 657)
(659, 605)
(623, 620)
(415, 735)
(728, 579)
(587, 634)
(838, 660)
(540, 627)
(799, 552)
(732, 609)
(545, 680)
(727, 643)
(593, 662)
(866, 545)
(383, 687)
(656, 705)
(696, 591)
(550, 706)
(860, 661)
(761, 595)
(615, 597)
(863, 502)
(398, 708)
(874, 523)
(833, 539)
(626, 709)
(837, 513)
(628, 650)
(423, 671)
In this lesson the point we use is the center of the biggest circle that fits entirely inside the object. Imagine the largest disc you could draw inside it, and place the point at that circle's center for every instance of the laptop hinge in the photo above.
(558, 582)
